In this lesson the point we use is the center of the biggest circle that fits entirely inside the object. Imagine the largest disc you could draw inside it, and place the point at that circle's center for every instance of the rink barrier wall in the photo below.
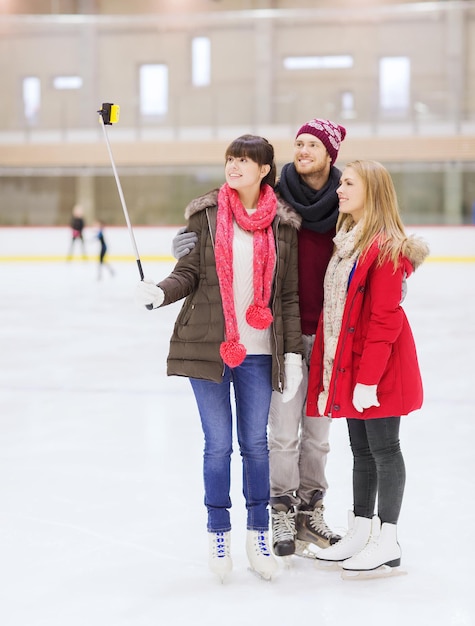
(169, 258)
(448, 244)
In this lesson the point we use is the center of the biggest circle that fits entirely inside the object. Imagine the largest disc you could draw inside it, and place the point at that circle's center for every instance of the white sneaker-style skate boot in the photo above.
(359, 531)
(380, 557)
(260, 557)
(220, 562)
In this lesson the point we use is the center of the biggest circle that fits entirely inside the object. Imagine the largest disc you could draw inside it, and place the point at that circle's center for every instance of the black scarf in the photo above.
(319, 209)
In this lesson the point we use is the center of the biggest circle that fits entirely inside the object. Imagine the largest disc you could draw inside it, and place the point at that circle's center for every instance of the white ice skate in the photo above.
(359, 530)
(261, 560)
(220, 562)
(380, 558)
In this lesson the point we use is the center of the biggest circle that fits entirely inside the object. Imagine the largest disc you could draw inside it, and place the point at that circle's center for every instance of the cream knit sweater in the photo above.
(255, 341)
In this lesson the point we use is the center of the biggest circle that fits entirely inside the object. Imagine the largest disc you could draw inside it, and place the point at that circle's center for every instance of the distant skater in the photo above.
(103, 250)
(77, 226)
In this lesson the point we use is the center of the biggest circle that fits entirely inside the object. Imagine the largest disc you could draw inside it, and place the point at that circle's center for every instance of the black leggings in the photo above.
(378, 467)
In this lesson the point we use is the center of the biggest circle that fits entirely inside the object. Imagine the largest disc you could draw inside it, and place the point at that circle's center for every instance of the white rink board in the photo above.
(458, 241)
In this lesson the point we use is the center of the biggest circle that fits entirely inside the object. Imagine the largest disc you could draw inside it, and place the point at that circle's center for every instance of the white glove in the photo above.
(147, 293)
(403, 288)
(364, 396)
(183, 243)
(293, 375)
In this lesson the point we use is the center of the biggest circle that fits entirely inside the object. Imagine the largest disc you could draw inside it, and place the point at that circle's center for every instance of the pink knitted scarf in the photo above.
(258, 315)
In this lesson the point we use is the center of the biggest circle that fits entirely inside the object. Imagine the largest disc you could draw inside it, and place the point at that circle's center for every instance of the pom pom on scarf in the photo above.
(233, 353)
(259, 317)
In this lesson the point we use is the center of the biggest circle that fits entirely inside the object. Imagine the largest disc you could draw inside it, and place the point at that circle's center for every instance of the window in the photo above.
(31, 98)
(67, 82)
(348, 105)
(200, 61)
(153, 89)
(319, 62)
(394, 84)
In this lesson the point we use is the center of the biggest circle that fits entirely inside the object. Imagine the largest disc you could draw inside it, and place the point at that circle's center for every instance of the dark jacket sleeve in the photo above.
(184, 278)
(292, 330)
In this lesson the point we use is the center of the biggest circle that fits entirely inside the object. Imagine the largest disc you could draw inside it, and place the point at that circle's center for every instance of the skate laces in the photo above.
(371, 546)
(347, 537)
(260, 543)
(283, 525)
(220, 549)
(317, 522)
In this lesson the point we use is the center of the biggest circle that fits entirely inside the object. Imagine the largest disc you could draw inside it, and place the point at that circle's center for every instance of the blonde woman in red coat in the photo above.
(364, 363)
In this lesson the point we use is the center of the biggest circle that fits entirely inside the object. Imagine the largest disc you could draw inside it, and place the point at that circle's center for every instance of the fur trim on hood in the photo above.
(416, 250)
(285, 212)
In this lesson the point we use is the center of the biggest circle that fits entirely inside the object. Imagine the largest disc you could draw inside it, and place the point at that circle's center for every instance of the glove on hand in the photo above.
(147, 292)
(403, 288)
(183, 243)
(293, 375)
(364, 396)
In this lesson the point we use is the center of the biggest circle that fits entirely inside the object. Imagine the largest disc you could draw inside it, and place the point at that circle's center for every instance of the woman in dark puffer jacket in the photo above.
(239, 326)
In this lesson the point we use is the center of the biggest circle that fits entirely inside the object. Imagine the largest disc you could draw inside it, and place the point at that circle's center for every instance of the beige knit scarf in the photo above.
(337, 275)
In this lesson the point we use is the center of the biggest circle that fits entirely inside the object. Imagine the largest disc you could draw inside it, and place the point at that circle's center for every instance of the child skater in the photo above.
(77, 225)
(103, 250)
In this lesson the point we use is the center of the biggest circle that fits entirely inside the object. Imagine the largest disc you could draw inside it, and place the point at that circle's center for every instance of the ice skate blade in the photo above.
(305, 549)
(267, 577)
(380, 572)
(328, 566)
(221, 577)
(286, 561)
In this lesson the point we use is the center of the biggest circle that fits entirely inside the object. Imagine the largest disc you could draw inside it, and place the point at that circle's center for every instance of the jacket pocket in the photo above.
(194, 320)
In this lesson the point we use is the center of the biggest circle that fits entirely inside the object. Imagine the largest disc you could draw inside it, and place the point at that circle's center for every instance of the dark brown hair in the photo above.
(258, 150)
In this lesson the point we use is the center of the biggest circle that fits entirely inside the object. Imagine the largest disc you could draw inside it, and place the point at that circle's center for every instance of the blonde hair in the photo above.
(381, 218)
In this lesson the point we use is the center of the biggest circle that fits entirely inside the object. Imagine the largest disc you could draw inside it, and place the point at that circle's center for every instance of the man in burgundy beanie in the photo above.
(298, 445)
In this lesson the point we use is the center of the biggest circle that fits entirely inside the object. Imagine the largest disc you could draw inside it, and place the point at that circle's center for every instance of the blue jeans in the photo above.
(378, 467)
(252, 382)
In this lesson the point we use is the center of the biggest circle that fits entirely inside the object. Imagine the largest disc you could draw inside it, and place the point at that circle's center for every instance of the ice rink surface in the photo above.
(102, 520)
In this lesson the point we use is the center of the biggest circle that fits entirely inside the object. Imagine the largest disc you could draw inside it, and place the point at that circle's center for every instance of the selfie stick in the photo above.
(109, 114)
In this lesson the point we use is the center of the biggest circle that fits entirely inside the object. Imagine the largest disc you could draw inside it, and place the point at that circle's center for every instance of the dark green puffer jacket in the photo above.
(199, 328)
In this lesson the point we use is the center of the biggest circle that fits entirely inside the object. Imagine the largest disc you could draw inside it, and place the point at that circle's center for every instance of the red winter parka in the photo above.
(375, 346)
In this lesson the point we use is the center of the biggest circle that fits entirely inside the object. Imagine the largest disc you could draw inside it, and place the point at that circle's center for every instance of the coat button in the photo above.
(351, 329)
(336, 407)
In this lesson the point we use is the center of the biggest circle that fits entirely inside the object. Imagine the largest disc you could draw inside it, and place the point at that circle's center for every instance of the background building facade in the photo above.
(191, 76)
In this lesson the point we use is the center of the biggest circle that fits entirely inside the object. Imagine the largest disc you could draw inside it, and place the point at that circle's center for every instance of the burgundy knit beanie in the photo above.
(330, 134)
